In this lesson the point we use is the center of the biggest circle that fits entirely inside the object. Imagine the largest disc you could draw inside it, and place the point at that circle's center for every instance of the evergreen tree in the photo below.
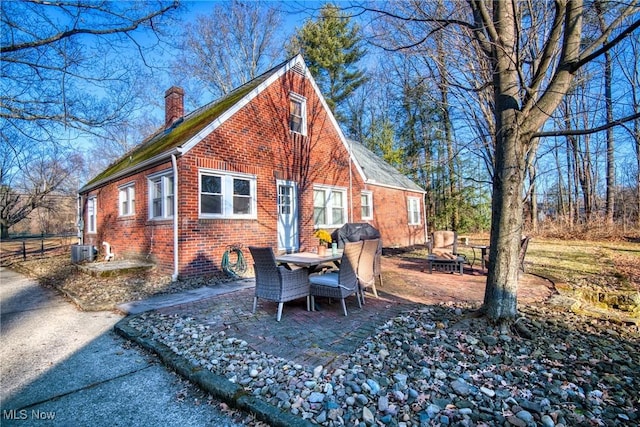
(331, 47)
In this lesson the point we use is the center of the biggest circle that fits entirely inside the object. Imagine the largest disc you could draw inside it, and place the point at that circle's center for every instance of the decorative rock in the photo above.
(316, 397)
(547, 421)
(432, 410)
(487, 391)
(367, 416)
(383, 404)
(460, 387)
(525, 416)
(362, 399)
(374, 386)
(515, 421)
(433, 381)
(490, 340)
(322, 417)
(471, 340)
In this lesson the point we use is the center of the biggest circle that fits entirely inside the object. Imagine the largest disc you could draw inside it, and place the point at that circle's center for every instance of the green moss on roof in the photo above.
(178, 134)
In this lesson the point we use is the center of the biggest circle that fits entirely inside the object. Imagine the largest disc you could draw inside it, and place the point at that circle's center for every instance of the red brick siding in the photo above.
(390, 217)
(256, 141)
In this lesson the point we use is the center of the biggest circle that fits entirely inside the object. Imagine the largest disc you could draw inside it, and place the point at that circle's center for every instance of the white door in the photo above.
(288, 238)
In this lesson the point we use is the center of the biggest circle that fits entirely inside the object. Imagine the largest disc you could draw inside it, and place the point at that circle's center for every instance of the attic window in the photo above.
(297, 67)
(297, 114)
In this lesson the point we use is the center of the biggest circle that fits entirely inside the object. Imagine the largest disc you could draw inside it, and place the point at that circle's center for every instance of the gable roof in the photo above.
(376, 171)
(185, 133)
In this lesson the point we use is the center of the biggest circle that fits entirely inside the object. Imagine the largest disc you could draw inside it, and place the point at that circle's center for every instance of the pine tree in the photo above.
(331, 47)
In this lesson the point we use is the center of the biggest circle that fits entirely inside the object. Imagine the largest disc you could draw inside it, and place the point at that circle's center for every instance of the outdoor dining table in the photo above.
(309, 260)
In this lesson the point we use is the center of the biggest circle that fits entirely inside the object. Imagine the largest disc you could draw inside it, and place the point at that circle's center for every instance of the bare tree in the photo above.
(534, 50)
(228, 47)
(68, 68)
(62, 60)
(25, 189)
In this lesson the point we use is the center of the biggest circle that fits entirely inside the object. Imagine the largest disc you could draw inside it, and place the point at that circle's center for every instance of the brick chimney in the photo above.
(173, 105)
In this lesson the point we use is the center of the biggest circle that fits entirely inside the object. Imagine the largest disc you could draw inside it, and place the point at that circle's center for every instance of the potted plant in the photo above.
(325, 239)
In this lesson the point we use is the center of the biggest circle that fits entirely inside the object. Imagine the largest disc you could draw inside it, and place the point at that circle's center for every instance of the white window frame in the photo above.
(302, 101)
(127, 200)
(165, 181)
(368, 195)
(227, 194)
(92, 215)
(328, 206)
(413, 211)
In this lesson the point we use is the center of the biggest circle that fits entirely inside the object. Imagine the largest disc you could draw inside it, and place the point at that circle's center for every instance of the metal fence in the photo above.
(25, 247)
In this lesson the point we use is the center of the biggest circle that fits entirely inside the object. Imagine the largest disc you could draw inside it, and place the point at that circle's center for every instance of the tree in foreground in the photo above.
(66, 71)
(533, 50)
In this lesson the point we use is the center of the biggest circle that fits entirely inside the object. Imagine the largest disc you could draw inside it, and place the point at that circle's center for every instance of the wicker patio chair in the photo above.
(377, 262)
(275, 282)
(342, 283)
(366, 263)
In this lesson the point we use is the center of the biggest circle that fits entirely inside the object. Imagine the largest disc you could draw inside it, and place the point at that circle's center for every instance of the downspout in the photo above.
(174, 164)
(80, 219)
(350, 219)
(424, 208)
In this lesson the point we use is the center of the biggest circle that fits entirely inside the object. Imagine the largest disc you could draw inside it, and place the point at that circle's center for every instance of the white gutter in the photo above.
(174, 164)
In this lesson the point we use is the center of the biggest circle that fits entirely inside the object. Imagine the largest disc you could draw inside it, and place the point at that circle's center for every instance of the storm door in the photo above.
(288, 238)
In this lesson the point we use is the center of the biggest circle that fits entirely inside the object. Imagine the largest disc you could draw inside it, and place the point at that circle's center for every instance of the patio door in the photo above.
(288, 238)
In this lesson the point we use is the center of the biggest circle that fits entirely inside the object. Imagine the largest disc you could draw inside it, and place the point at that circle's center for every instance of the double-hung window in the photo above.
(126, 200)
(224, 195)
(92, 215)
(329, 206)
(161, 196)
(413, 210)
(297, 114)
(366, 202)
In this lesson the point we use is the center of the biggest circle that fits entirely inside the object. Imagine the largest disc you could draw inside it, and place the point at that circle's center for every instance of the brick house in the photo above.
(267, 164)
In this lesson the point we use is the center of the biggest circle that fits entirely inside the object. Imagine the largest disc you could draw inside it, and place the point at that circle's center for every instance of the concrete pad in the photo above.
(169, 300)
(61, 366)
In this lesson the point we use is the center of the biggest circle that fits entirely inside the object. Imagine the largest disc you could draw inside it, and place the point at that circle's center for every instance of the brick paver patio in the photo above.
(325, 337)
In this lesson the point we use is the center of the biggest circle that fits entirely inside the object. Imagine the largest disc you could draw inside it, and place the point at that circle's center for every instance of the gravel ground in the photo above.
(440, 366)
(434, 366)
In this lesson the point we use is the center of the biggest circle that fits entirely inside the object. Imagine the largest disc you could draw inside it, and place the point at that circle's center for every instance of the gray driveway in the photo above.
(62, 366)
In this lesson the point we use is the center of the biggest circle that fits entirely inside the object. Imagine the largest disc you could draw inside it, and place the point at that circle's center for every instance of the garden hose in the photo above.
(234, 269)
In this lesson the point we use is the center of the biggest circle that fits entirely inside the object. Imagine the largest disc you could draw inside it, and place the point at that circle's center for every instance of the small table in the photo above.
(483, 254)
(309, 260)
(449, 265)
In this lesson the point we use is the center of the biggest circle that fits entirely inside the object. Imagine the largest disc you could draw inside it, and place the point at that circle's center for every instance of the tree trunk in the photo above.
(611, 170)
(500, 300)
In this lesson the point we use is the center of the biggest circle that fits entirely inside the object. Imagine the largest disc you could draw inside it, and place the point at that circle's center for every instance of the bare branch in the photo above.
(576, 132)
(93, 31)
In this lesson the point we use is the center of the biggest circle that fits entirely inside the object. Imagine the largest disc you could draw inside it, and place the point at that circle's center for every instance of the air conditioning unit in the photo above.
(82, 253)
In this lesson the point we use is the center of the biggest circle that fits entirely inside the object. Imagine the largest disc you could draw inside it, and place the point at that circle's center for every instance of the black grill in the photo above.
(354, 232)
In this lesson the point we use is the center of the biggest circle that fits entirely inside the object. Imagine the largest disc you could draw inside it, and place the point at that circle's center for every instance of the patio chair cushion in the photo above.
(327, 279)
